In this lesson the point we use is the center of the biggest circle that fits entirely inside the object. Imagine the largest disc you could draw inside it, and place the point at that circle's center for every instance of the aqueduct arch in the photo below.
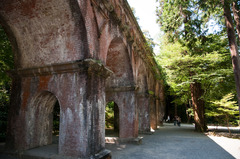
(118, 61)
(120, 87)
(114, 121)
(40, 119)
(69, 48)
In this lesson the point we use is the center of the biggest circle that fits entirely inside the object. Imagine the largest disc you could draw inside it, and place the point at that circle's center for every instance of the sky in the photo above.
(145, 11)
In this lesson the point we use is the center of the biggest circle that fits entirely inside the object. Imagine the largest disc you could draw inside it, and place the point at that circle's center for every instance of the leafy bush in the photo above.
(109, 112)
(6, 63)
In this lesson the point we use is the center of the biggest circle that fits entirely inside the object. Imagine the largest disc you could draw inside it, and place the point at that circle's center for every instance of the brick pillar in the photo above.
(82, 129)
(160, 112)
(143, 112)
(153, 114)
(124, 97)
(16, 126)
(80, 89)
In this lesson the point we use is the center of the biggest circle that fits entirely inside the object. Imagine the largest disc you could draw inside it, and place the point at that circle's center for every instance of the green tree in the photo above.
(109, 115)
(6, 63)
(210, 70)
(182, 21)
(6, 58)
(232, 41)
(226, 11)
(150, 43)
(187, 23)
(225, 107)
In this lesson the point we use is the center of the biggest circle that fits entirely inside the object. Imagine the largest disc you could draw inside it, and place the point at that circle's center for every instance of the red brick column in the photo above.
(124, 97)
(143, 112)
(80, 89)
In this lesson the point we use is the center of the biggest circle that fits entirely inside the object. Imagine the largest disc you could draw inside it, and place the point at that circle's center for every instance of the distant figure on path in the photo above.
(168, 119)
(178, 121)
(175, 120)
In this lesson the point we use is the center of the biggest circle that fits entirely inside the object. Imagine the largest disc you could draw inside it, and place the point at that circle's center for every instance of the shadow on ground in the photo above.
(168, 142)
(171, 142)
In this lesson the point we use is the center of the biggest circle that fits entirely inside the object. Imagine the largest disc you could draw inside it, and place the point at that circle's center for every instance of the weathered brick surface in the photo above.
(46, 31)
(143, 112)
(127, 112)
(52, 41)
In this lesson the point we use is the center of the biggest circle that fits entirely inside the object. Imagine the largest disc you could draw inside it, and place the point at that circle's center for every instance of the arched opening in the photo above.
(6, 63)
(44, 120)
(118, 61)
(56, 122)
(120, 87)
(112, 120)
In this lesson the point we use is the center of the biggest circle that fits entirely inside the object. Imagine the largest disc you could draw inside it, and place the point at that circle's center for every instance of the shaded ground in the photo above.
(172, 142)
(224, 131)
(111, 133)
(169, 142)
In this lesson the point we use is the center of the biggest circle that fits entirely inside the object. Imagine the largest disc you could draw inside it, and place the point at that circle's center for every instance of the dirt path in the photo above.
(172, 142)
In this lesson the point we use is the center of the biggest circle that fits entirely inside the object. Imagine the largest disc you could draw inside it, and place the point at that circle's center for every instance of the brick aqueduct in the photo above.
(83, 54)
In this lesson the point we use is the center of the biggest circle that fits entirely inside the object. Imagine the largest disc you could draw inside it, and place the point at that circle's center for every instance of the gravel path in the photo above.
(169, 142)
(172, 142)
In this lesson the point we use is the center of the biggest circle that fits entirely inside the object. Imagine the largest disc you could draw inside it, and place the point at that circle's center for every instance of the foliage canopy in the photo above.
(192, 51)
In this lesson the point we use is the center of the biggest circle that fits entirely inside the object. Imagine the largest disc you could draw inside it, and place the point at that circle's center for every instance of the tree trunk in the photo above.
(187, 113)
(175, 110)
(236, 18)
(233, 46)
(198, 107)
(228, 125)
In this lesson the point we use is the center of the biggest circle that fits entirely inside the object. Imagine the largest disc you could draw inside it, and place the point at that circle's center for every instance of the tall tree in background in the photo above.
(183, 22)
(229, 8)
(187, 22)
(235, 9)
(212, 70)
(232, 41)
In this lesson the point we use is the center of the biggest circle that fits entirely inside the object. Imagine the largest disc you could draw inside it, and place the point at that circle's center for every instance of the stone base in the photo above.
(117, 140)
(49, 152)
(147, 132)
(105, 154)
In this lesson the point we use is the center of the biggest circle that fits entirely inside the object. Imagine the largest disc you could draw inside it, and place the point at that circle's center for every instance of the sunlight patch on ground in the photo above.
(232, 146)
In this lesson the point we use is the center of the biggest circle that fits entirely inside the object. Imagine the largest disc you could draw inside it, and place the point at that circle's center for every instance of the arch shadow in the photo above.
(120, 87)
(40, 118)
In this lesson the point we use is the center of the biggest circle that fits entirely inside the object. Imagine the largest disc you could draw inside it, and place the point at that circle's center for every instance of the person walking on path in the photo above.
(168, 119)
(178, 121)
(175, 120)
